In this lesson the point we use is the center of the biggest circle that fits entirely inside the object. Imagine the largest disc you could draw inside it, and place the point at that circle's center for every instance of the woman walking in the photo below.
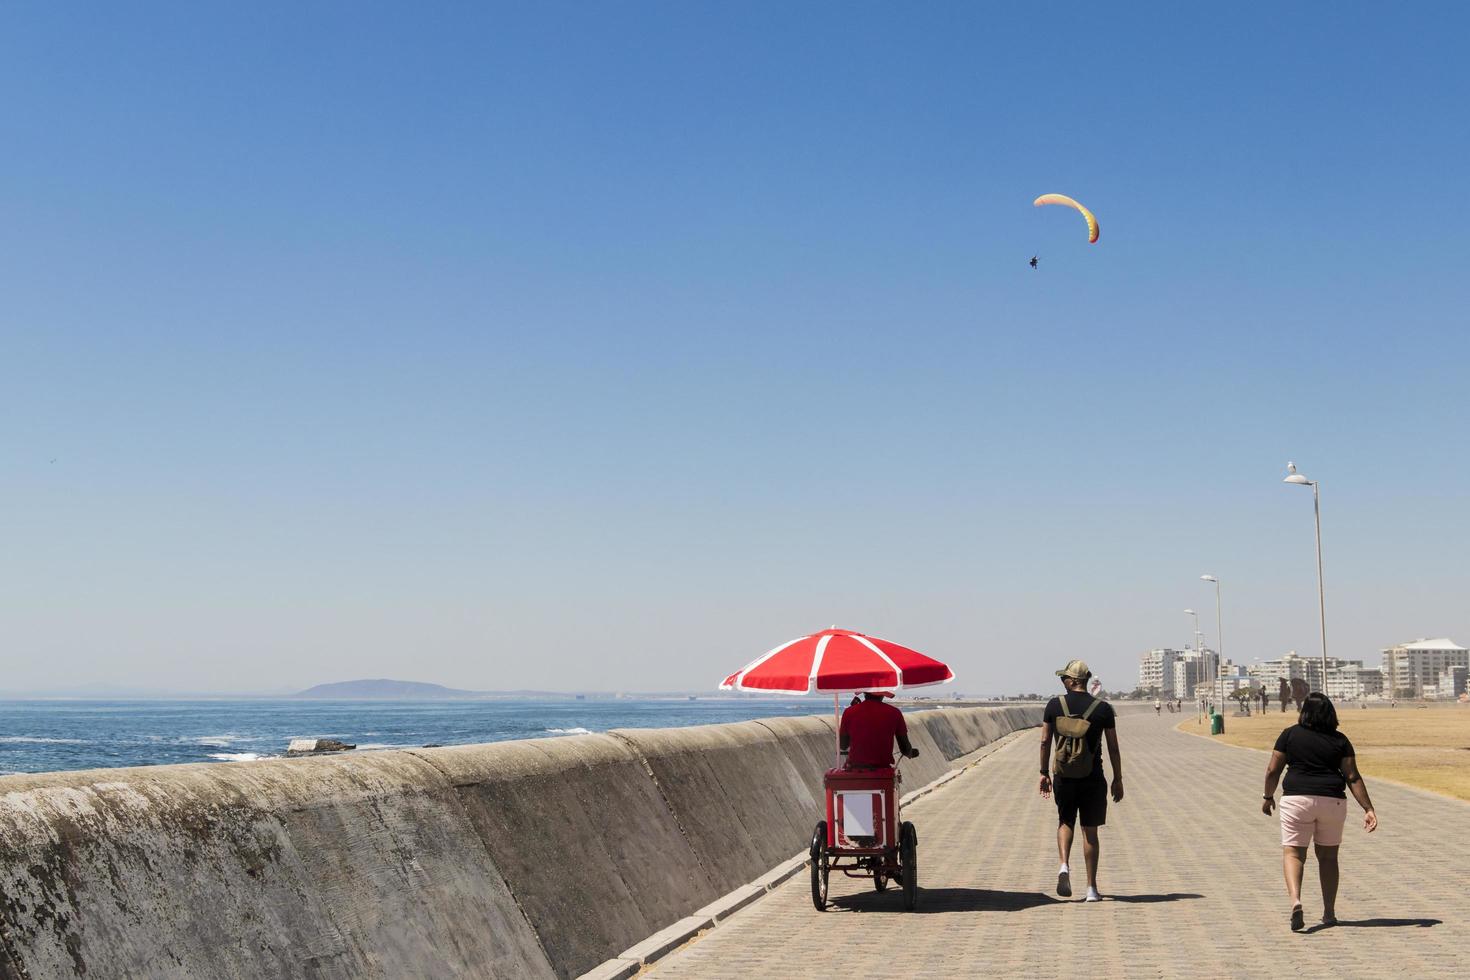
(1320, 764)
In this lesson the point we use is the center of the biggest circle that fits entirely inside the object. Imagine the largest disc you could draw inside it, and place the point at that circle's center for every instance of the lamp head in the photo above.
(1189, 612)
(1292, 476)
(1209, 578)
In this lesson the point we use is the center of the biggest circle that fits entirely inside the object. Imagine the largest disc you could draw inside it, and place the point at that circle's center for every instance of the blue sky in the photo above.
(606, 346)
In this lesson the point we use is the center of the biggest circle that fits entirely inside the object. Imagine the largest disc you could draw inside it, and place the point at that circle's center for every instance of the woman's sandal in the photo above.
(1297, 921)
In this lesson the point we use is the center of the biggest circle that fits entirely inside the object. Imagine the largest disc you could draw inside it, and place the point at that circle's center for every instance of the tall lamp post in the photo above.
(1191, 612)
(1219, 646)
(1292, 476)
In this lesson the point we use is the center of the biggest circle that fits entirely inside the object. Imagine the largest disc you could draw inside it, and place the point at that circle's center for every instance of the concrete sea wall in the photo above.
(514, 859)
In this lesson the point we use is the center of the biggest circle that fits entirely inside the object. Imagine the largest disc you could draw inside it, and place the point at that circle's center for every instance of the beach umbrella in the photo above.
(838, 660)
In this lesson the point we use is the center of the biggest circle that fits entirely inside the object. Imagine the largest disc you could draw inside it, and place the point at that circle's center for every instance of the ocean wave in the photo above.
(241, 756)
(568, 731)
(39, 740)
(213, 741)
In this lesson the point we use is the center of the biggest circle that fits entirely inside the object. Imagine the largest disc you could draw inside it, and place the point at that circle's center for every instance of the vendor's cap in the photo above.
(1075, 669)
(879, 694)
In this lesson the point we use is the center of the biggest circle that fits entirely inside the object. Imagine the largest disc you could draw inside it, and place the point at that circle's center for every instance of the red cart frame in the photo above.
(862, 837)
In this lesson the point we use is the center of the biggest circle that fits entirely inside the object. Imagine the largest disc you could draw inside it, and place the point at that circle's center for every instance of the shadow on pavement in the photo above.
(989, 900)
(945, 900)
(1373, 924)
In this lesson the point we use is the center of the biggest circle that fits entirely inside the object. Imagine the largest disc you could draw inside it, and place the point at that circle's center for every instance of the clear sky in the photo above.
(607, 345)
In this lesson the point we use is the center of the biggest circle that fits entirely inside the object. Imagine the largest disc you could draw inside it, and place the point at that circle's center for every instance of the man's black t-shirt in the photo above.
(1103, 718)
(1314, 762)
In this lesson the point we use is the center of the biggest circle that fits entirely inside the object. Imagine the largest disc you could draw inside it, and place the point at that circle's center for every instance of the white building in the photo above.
(1453, 681)
(1192, 670)
(1410, 667)
(1226, 684)
(1176, 673)
(1351, 681)
(1156, 670)
(1346, 680)
(1290, 666)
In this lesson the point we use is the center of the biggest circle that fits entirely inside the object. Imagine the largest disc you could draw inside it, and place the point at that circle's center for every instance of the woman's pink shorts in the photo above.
(1305, 819)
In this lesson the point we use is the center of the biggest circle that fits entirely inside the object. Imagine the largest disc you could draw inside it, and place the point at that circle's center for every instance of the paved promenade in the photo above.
(1191, 871)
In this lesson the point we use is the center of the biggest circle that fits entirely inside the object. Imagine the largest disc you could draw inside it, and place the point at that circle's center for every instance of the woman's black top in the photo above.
(1314, 762)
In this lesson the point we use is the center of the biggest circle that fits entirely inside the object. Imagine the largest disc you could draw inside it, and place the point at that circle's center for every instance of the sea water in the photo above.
(44, 736)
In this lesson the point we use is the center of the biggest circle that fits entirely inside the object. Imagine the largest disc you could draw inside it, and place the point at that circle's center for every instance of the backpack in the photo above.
(1073, 758)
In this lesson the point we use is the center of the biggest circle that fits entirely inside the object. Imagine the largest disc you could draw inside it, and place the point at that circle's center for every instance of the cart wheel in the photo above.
(908, 859)
(820, 864)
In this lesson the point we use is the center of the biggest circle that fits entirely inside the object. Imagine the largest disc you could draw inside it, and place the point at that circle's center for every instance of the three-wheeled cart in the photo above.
(862, 837)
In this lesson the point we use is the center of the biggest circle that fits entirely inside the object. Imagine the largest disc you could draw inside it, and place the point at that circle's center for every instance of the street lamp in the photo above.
(1191, 612)
(1292, 476)
(1219, 645)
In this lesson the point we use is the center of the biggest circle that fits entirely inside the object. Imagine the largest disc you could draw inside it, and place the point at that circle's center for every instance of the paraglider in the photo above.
(1065, 201)
(1033, 261)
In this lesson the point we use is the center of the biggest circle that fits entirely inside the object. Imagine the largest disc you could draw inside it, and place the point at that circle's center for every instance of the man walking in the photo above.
(1076, 722)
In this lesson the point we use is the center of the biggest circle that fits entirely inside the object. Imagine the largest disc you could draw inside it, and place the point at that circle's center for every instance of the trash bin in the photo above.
(1217, 724)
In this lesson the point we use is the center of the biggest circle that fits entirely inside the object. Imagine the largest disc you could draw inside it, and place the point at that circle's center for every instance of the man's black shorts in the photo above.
(1087, 797)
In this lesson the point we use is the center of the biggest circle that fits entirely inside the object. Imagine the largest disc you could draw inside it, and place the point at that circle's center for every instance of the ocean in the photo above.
(47, 736)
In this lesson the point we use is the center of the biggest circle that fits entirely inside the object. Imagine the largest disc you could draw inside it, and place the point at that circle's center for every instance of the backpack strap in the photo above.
(1090, 708)
(1063, 702)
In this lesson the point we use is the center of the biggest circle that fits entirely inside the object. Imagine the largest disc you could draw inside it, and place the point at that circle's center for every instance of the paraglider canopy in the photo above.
(1065, 201)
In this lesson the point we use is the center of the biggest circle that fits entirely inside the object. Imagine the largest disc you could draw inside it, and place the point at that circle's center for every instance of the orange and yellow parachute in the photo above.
(1062, 199)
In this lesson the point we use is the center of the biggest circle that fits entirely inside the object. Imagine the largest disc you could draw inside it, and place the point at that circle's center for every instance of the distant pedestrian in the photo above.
(1158, 706)
(1077, 722)
(1320, 764)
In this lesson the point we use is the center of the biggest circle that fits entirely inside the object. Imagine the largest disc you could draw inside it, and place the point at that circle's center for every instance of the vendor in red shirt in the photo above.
(868, 730)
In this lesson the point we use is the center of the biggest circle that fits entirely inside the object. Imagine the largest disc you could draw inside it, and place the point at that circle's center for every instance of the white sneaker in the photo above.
(1092, 895)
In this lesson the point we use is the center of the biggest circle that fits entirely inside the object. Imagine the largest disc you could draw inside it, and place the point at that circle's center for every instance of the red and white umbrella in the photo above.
(838, 660)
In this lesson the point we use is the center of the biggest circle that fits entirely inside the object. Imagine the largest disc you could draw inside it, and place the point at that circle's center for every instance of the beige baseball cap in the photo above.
(1075, 669)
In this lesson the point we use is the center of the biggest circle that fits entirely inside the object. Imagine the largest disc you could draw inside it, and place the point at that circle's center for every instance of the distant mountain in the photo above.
(386, 690)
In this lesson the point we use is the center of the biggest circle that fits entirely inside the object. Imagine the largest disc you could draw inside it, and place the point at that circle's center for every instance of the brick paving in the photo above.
(1191, 871)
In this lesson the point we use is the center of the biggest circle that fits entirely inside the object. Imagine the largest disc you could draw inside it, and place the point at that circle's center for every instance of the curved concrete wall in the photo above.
(515, 859)
(356, 866)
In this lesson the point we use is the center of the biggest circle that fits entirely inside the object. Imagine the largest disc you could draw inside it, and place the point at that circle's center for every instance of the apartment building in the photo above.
(1346, 680)
(1452, 683)
(1409, 668)
(1176, 673)
(1156, 670)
